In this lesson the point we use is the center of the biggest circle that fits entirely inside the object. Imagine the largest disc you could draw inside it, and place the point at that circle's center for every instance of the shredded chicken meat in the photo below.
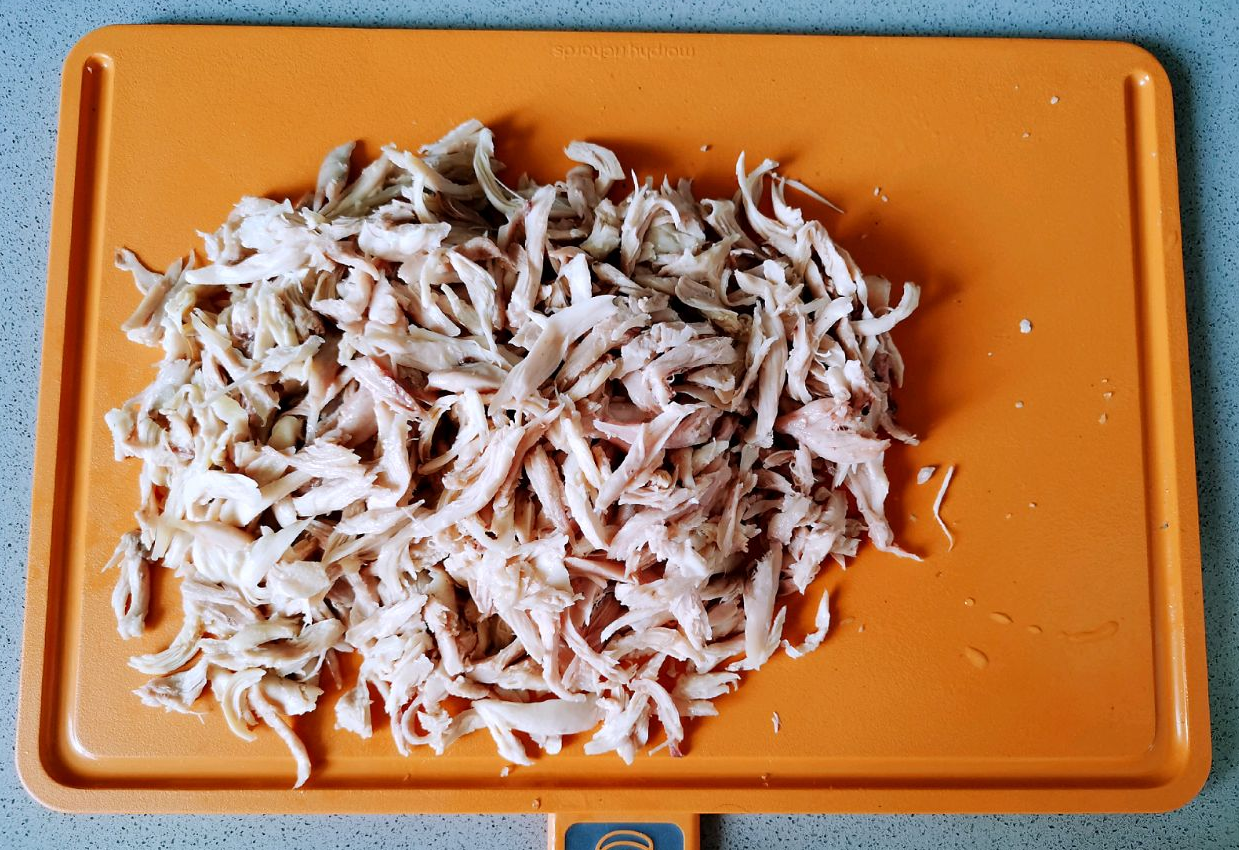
(547, 459)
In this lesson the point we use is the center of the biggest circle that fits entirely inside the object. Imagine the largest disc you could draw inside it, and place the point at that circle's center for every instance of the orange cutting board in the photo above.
(1053, 660)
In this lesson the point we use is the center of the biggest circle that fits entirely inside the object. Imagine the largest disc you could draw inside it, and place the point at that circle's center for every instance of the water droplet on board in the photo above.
(970, 602)
(1001, 618)
(1105, 630)
(976, 657)
(1034, 630)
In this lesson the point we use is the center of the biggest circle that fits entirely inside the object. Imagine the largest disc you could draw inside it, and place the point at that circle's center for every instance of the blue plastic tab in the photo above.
(624, 836)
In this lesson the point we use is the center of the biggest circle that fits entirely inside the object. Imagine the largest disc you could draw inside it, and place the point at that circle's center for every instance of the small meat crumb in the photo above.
(925, 473)
(776, 722)
(1107, 395)
(885, 199)
(1101, 420)
(877, 190)
(1053, 100)
(536, 804)
(1025, 326)
(1025, 135)
(505, 771)
(1020, 405)
(1032, 504)
(705, 148)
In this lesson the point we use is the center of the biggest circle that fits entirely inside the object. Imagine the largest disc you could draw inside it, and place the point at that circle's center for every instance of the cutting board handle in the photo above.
(629, 831)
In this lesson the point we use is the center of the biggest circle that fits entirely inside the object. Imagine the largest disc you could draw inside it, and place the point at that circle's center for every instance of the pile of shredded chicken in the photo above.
(560, 456)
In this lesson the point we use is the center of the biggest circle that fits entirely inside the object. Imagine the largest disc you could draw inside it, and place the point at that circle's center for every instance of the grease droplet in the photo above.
(1105, 630)
(1034, 630)
(999, 617)
(976, 657)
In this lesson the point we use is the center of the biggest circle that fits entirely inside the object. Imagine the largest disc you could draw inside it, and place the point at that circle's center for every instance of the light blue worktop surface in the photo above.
(1197, 41)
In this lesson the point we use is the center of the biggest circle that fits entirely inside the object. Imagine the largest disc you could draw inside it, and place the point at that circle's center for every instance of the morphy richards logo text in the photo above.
(622, 51)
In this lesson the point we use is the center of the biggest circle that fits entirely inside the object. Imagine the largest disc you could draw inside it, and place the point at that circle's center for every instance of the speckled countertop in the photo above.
(1197, 41)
